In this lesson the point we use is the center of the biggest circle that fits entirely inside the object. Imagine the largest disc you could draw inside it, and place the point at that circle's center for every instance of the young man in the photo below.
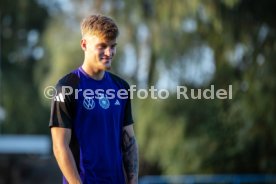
(92, 132)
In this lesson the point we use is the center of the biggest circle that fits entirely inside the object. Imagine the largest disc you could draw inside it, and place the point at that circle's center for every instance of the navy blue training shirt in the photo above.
(96, 114)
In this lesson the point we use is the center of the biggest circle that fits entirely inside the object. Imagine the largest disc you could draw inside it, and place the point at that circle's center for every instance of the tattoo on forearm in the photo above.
(130, 156)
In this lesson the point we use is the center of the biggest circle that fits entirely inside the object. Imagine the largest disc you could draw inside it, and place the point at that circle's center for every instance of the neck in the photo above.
(94, 74)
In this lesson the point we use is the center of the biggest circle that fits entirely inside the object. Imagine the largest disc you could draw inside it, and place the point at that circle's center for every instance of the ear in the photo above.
(83, 44)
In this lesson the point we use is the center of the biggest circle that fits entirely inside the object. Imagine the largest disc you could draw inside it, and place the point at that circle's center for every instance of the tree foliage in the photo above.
(219, 136)
(21, 24)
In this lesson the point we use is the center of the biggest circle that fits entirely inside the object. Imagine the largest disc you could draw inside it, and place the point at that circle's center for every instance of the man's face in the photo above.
(99, 52)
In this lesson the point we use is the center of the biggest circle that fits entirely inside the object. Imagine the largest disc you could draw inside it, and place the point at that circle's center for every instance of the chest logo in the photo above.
(117, 102)
(104, 102)
(89, 103)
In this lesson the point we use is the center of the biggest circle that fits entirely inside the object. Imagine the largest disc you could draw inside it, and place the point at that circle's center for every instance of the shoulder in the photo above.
(118, 80)
(70, 79)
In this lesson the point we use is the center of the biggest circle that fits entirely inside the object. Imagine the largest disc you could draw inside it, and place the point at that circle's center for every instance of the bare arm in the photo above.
(61, 139)
(130, 154)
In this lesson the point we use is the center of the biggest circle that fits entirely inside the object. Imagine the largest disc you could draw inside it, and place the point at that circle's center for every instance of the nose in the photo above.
(108, 51)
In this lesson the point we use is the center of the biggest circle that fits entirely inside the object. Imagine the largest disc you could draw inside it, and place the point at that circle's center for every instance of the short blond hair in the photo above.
(101, 26)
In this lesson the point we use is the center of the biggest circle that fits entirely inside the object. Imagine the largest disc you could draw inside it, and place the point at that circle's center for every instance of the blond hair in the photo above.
(101, 26)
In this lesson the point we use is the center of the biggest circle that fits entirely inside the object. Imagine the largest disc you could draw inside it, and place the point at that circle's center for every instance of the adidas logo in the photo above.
(117, 102)
(59, 98)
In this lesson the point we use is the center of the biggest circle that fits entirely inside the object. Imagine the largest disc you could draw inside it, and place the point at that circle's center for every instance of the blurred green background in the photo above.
(193, 43)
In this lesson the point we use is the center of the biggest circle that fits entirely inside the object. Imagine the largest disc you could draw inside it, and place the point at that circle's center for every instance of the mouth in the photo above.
(106, 60)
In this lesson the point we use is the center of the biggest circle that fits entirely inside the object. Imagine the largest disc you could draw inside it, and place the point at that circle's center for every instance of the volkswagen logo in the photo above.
(89, 103)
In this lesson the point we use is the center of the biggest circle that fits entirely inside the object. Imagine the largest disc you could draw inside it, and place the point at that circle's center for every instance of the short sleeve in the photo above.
(63, 105)
(128, 120)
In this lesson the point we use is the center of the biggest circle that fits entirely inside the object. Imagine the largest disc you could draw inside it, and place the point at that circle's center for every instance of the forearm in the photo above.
(67, 164)
(130, 158)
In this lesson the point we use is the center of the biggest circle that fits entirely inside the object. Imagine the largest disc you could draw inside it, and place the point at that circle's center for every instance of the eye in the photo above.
(113, 46)
(101, 46)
